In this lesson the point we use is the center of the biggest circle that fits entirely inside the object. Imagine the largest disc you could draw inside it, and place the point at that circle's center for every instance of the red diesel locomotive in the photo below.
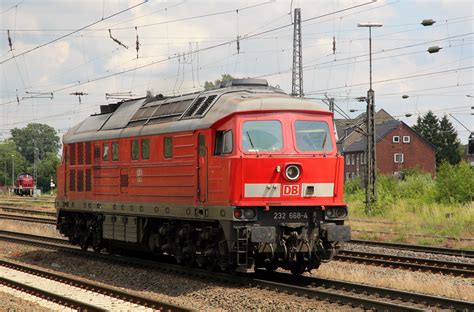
(239, 177)
(24, 184)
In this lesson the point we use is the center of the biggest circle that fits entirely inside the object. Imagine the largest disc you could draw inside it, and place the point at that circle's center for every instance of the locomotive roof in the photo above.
(159, 114)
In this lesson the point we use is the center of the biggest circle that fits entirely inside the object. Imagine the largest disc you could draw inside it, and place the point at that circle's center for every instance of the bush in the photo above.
(455, 184)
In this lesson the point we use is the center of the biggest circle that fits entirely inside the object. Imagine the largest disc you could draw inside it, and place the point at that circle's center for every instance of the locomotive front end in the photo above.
(290, 212)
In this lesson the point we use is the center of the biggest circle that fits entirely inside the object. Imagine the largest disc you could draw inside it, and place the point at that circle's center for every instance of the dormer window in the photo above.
(396, 139)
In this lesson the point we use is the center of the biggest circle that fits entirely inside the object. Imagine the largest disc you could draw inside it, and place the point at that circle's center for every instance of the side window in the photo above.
(145, 148)
(115, 151)
(228, 142)
(168, 150)
(224, 142)
(135, 149)
(105, 153)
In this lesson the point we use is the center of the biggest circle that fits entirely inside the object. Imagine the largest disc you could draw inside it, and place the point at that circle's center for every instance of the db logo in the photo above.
(291, 190)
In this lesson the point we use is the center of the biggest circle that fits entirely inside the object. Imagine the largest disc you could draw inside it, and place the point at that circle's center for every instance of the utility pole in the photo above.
(13, 171)
(371, 167)
(297, 73)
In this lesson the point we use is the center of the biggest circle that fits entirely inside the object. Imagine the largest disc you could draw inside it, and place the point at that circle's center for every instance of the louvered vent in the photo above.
(72, 180)
(72, 154)
(88, 153)
(124, 180)
(80, 153)
(80, 180)
(200, 107)
(88, 180)
(195, 106)
(204, 106)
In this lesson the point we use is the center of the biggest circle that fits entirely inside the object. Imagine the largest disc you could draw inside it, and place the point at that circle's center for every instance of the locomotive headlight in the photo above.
(249, 213)
(341, 212)
(292, 172)
(330, 213)
(244, 213)
(336, 212)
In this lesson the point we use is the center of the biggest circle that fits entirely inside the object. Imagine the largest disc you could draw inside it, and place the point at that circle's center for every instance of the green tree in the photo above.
(441, 134)
(209, 85)
(35, 135)
(455, 183)
(46, 169)
(428, 127)
(448, 142)
(9, 156)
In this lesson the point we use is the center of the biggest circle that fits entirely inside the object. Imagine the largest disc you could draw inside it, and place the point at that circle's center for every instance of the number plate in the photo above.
(294, 215)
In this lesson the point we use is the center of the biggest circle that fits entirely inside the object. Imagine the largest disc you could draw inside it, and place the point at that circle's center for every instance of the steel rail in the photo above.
(364, 289)
(413, 263)
(27, 211)
(27, 218)
(94, 287)
(419, 248)
(49, 296)
(348, 293)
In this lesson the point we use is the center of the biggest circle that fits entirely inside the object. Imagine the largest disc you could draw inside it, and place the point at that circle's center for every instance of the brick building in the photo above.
(398, 147)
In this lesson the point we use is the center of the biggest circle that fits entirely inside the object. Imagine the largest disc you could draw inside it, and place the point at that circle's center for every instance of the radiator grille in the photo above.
(80, 153)
(80, 180)
(88, 153)
(72, 180)
(88, 180)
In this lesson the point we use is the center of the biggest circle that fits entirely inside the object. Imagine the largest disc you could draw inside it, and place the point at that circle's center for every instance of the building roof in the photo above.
(159, 114)
(381, 131)
(352, 135)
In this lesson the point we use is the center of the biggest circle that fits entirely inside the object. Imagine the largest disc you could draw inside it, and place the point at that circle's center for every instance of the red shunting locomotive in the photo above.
(239, 177)
(24, 185)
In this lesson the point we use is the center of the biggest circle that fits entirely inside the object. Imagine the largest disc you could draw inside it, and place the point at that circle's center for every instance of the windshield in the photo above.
(312, 136)
(262, 136)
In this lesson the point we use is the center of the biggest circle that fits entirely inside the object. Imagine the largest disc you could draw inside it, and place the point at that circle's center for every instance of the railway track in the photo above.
(82, 284)
(392, 261)
(419, 248)
(345, 293)
(412, 263)
(38, 212)
(27, 218)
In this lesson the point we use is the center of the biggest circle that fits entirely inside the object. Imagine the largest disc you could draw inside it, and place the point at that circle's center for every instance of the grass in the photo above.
(416, 210)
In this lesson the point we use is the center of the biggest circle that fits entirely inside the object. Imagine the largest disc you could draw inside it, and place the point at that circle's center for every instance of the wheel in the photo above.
(84, 243)
(96, 243)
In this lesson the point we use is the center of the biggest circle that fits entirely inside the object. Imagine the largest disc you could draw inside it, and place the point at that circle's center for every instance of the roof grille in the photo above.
(200, 107)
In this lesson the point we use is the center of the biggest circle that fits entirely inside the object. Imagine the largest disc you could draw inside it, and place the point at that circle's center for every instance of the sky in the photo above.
(62, 48)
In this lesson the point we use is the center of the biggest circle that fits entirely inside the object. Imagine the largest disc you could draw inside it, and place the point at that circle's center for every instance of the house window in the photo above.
(135, 149)
(398, 158)
(105, 154)
(406, 139)
(168, 150)
(115, 151)
(348, 159)
(348, 175)
(352, 159)
(145, 148)
(396, 139)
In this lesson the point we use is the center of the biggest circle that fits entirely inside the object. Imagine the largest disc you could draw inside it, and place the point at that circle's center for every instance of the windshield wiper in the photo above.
(251, 143)
(324, 143)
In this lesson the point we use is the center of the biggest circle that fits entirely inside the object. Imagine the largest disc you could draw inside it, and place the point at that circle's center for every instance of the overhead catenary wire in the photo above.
(73, 32)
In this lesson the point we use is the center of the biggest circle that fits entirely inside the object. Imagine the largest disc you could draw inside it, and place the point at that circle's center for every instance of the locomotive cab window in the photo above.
(145, 148)
(224, 142)
(105, 153)
(262, 136)
(115, 151)
(313, 136)
(134, 149)
(168, 148)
